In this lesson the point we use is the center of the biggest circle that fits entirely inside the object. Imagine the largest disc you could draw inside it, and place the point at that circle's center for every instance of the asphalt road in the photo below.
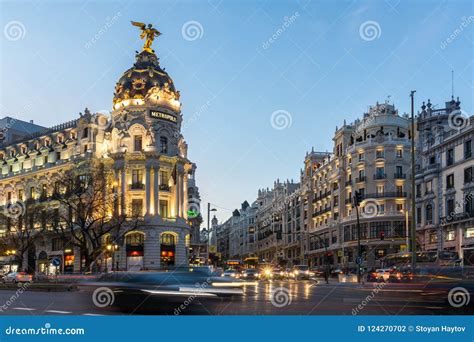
(267, 298)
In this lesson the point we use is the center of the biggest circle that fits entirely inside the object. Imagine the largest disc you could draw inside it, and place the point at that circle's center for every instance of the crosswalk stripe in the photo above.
(91, 314)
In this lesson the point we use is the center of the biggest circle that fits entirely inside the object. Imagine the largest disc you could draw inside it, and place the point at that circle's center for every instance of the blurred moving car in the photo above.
(231, 273)
(164, 291)
(250, 273)
(383, 274)
(17, 277)
(301, 272)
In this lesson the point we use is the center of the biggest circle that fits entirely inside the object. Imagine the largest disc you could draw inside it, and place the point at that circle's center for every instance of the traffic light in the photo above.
(357, 198)
(382, 236)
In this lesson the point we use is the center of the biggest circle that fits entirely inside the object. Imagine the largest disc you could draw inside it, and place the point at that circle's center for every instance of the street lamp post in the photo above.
(357, 200)
(413, 207)
(208, 227)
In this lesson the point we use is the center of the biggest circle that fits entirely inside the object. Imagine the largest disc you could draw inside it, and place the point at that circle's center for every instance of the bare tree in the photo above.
(86, 211)
(23, 222)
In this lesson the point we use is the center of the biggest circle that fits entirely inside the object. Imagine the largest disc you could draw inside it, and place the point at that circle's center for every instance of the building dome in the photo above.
(146, 84)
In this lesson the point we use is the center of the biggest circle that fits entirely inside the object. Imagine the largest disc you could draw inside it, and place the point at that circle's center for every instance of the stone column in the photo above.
(156, 190)
(181, 199)
(123, 184)
(185, 194)
(148, 190)
(176, 193)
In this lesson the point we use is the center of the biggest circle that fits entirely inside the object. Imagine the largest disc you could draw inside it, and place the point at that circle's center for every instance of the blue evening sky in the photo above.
(321, 68)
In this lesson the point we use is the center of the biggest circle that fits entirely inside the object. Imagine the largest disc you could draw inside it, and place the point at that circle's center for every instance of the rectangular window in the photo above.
(400, 190)
(469, 233)
(379, 154)
(450, 235)
(418, 215)
(418, 190)
(56, 244)
(429, 187)
(450, 208)
(380, 173)
(399, 207)
(433, 238)
(450, 181)
(164, 208)
(450, 157)
(399, 153)
(361, 156)
(137, 177)
(137, 145)
(137, 207)
(468, 175)
(468, 149)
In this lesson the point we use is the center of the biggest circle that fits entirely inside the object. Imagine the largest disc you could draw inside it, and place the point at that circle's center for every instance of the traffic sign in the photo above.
(359, 260)
(56, 262)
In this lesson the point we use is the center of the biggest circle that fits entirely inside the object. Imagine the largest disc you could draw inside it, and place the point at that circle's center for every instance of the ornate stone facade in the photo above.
(142, 143)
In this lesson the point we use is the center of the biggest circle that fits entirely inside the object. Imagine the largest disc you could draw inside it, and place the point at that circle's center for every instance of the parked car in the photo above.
(17, 277)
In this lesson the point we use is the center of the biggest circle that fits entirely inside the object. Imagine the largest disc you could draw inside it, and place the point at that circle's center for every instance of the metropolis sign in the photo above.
(163, 116)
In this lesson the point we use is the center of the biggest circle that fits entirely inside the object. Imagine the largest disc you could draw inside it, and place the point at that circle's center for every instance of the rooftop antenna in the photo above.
(452, 84)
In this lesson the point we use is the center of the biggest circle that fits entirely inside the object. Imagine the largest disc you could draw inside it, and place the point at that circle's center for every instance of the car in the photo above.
(17, 277)
(301, 272)
(383, 274)
(250, 273)
(266, 272)
(231, 273)
(336, 272)
(179, 291)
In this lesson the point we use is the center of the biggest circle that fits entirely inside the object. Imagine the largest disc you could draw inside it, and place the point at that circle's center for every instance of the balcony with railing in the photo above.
(164, 187)
(137, 186)
(400, 175)
(361, 179)
(379, 176)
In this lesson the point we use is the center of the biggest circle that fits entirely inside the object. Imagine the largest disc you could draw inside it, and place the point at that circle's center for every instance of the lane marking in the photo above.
(58, 311)
(91, 314)
(25, 309)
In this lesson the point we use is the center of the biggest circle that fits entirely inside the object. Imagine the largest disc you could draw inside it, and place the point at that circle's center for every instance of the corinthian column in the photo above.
(156, 189)
(148, 190)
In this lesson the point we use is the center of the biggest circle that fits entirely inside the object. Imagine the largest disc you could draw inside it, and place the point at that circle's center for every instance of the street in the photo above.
(267, 298)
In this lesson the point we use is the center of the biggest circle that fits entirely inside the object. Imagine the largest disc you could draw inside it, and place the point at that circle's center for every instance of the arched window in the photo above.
(134, 239)
(163, 144)
(429, 213)
(168, 239)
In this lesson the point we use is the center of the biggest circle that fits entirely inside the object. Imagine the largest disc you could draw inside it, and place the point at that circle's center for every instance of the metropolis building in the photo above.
(141, 141)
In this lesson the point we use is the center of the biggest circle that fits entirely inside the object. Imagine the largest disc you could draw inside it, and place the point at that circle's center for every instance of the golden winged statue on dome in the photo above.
(148, 33)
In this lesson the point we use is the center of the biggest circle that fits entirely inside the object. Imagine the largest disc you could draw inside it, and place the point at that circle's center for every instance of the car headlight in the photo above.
(296, 272)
